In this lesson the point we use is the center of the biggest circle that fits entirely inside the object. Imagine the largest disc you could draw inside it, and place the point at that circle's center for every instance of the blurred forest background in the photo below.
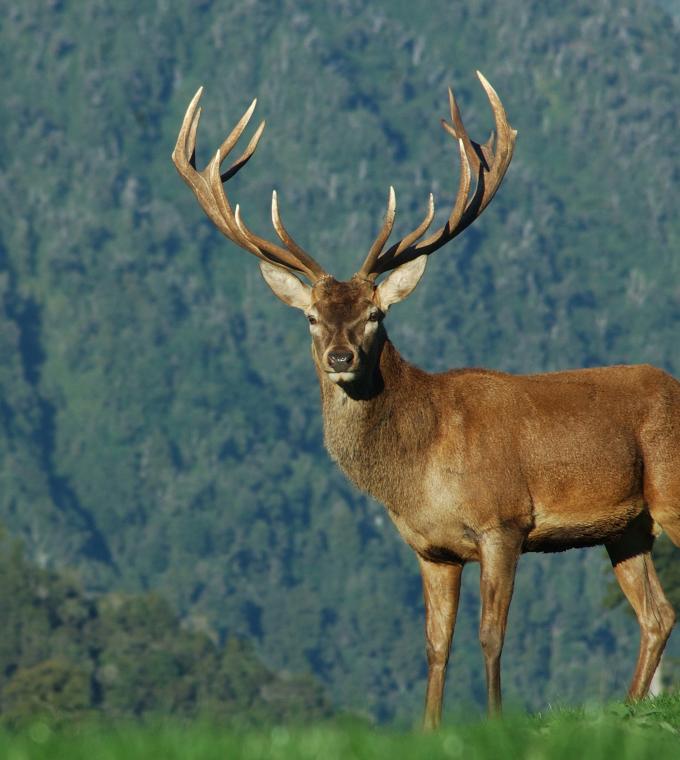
(188, 544)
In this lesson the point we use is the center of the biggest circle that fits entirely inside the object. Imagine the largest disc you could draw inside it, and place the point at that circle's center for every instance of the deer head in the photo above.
(345, 318)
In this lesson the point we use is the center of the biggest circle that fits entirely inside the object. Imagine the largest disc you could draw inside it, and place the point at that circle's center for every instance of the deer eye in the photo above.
(374, 316)
(311, 319)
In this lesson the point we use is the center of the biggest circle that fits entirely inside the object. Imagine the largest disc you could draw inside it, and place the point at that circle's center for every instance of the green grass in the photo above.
(650, 730)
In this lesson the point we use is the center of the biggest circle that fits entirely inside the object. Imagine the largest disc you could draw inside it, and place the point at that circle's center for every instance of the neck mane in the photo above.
(378, 428)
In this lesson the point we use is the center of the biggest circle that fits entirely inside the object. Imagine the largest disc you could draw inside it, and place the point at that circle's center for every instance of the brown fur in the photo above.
(475, 465)
(472, 465)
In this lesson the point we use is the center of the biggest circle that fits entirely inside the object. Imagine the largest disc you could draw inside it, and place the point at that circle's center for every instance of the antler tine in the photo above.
(180, 153)
(208, 187)
(190, 150)
(419, 231)
(489, 162)
(287, 257)
(183, 156)
(368, 267)
(243, 159)
(288, 241)
(405, 242)
(504, 142)
(457, 131)
(232, 138)
(459, 205)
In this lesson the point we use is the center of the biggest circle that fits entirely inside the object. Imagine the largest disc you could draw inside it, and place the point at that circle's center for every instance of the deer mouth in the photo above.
(341, 377)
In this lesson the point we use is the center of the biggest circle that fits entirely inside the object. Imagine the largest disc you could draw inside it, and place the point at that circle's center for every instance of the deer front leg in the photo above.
(499, 552)
(441, 589)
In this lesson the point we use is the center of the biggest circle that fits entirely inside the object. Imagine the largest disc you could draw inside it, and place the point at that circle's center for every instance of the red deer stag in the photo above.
(472, 465)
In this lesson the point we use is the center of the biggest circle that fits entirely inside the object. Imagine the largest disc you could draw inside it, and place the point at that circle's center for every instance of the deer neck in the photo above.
(377, 428)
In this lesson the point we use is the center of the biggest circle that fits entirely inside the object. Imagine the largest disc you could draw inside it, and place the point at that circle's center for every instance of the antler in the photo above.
(489, 162)
(208, 188)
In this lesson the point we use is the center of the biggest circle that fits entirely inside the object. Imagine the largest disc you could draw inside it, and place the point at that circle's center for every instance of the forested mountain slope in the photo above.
(159, 421)
(65, 655)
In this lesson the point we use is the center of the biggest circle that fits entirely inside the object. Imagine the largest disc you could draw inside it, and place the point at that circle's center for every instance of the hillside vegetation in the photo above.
(66, 657)
(159, 421)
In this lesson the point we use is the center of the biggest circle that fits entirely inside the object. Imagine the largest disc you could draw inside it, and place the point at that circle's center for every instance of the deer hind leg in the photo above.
(632, 562)
(667, 516)
(662, 481)
(499, 552)
(441, 589)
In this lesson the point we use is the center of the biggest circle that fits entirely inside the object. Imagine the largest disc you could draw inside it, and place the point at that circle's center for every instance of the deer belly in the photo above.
(583, 494)
(595, 523)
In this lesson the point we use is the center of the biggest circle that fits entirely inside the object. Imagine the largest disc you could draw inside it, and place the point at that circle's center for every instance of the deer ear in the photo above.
(400, 283)
(286, 286)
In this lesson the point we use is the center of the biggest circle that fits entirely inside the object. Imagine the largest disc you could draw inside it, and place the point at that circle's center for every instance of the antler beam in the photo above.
(208, 187)
(488, 162)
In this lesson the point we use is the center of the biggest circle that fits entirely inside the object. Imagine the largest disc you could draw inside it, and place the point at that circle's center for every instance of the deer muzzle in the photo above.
(340, 360)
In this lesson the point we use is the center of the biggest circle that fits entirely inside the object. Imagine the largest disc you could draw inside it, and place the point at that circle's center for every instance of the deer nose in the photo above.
(340, 360)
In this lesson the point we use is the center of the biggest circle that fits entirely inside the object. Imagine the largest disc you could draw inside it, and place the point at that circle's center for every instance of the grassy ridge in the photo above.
(650, 730)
